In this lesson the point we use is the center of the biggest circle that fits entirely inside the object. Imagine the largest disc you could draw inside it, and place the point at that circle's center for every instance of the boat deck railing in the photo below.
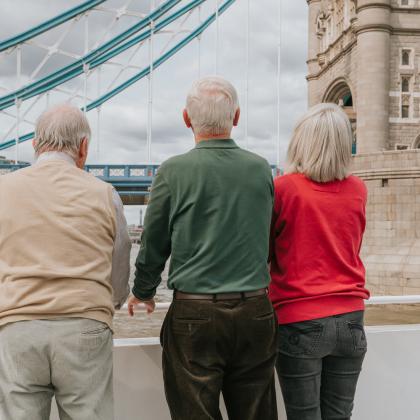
(374, 300)
(388, 387)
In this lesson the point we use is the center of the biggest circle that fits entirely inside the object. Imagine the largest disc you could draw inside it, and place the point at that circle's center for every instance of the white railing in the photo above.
(386, 300)
(374, 300)
(160, 307)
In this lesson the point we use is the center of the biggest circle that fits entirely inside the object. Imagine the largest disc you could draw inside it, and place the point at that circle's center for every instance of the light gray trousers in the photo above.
(71, 358)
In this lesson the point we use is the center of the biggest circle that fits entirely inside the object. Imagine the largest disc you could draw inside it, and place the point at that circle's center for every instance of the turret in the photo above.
(373, 74)
(313, 50)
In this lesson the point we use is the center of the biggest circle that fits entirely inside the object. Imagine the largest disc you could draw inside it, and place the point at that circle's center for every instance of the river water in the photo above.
(143, 325)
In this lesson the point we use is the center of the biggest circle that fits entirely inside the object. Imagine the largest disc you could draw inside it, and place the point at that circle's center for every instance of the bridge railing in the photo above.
(7, 169)
(115, 172)
(111, 173)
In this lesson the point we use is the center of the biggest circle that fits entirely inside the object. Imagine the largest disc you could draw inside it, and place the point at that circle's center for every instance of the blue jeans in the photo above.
(319, 363)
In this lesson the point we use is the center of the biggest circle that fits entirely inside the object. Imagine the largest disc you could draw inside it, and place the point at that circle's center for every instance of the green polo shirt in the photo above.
(210, 210)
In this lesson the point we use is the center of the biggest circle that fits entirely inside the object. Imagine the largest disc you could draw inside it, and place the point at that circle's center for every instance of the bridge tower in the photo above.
(364, 55)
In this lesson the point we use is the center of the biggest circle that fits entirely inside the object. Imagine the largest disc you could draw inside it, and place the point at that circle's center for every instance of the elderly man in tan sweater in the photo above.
(64, 268)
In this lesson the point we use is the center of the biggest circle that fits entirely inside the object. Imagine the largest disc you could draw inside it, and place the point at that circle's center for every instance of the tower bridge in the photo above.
(88, 79)
(363, 55)
(22, 103)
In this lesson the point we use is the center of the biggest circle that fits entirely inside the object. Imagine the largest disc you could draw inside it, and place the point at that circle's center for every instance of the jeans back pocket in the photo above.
(358, 334)
(299, 338)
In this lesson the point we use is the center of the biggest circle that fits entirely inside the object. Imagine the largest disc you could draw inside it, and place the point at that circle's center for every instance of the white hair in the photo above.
(320, 146)
(61, 128)
(211, 105)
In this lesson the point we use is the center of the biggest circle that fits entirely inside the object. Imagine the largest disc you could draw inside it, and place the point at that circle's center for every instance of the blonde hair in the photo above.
(320, 146)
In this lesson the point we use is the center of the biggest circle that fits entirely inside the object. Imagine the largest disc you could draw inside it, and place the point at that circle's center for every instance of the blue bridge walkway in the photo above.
(132, 182)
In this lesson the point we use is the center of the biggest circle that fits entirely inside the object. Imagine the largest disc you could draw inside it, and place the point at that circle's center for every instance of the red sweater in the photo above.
(315, 239)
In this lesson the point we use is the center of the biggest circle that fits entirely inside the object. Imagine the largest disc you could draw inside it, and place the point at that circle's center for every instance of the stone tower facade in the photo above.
(371, 50)
(365, 56)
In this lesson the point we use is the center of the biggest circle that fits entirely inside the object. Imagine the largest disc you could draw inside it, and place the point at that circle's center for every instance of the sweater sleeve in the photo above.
(120, 273)
(155, 241)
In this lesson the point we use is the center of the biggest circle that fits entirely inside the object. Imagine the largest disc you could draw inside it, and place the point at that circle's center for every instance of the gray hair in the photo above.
(61, 128)
(320, 146)
(211, 105)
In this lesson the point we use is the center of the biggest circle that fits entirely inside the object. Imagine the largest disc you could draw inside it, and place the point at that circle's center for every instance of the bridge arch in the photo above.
(340, 92)
(340, 89)
(416, 142)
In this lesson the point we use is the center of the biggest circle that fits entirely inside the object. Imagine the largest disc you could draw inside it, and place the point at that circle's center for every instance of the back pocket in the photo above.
(189, 326)
(358, 334)
(299, 338)
(267, 318)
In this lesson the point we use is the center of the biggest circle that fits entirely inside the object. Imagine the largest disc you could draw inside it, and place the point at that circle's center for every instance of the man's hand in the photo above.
(150, 305)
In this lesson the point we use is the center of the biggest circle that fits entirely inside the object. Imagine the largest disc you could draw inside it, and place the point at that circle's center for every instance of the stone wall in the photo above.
(391, 245)
(404, 131)
(367, 56)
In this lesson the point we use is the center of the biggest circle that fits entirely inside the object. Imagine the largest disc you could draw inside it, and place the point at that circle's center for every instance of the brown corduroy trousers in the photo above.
(225, 346)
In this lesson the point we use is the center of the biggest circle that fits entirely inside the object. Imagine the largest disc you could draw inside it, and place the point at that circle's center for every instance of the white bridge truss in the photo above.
(125, 61)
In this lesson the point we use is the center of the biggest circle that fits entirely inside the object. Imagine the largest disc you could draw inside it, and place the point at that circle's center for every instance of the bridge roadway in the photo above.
(132, 182)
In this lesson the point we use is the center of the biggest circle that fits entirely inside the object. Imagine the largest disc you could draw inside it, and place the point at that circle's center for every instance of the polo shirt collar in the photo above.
(216, 144)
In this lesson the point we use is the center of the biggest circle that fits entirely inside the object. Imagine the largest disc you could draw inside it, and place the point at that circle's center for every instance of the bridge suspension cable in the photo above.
(217, 37)
(279, 88)
(150, 111)
(247, 78)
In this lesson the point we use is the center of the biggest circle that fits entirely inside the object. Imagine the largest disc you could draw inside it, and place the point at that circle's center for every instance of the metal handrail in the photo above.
(386, 300)
(160, 307)
(374, 300)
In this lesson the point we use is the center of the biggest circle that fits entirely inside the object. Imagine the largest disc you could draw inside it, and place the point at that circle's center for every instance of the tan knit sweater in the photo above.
(57, 229)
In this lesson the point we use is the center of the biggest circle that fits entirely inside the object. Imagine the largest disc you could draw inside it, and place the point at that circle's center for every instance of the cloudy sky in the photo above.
(123, 120)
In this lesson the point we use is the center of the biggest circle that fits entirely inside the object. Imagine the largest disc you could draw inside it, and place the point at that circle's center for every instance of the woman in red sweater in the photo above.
(318, 278)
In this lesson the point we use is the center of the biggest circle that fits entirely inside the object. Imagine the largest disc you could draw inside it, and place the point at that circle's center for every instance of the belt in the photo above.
(219, 296)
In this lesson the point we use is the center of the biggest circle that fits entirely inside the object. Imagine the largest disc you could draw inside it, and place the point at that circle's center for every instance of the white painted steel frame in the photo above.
(54, 50)
(121, 12)
(125, 65)
(247, 78)
(18, 102)
(217, 38)
(99, 114)
(87, 73)
(279, 88)
(150, 108)
(199, 44)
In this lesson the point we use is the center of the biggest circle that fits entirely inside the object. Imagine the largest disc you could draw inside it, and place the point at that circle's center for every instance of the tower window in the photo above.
(406, 58)
(405, 86)
(404, 2)
(348, 100)
(405, 111)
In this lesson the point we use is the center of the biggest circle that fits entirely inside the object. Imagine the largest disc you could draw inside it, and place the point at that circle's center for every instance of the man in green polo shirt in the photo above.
(210, 210)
